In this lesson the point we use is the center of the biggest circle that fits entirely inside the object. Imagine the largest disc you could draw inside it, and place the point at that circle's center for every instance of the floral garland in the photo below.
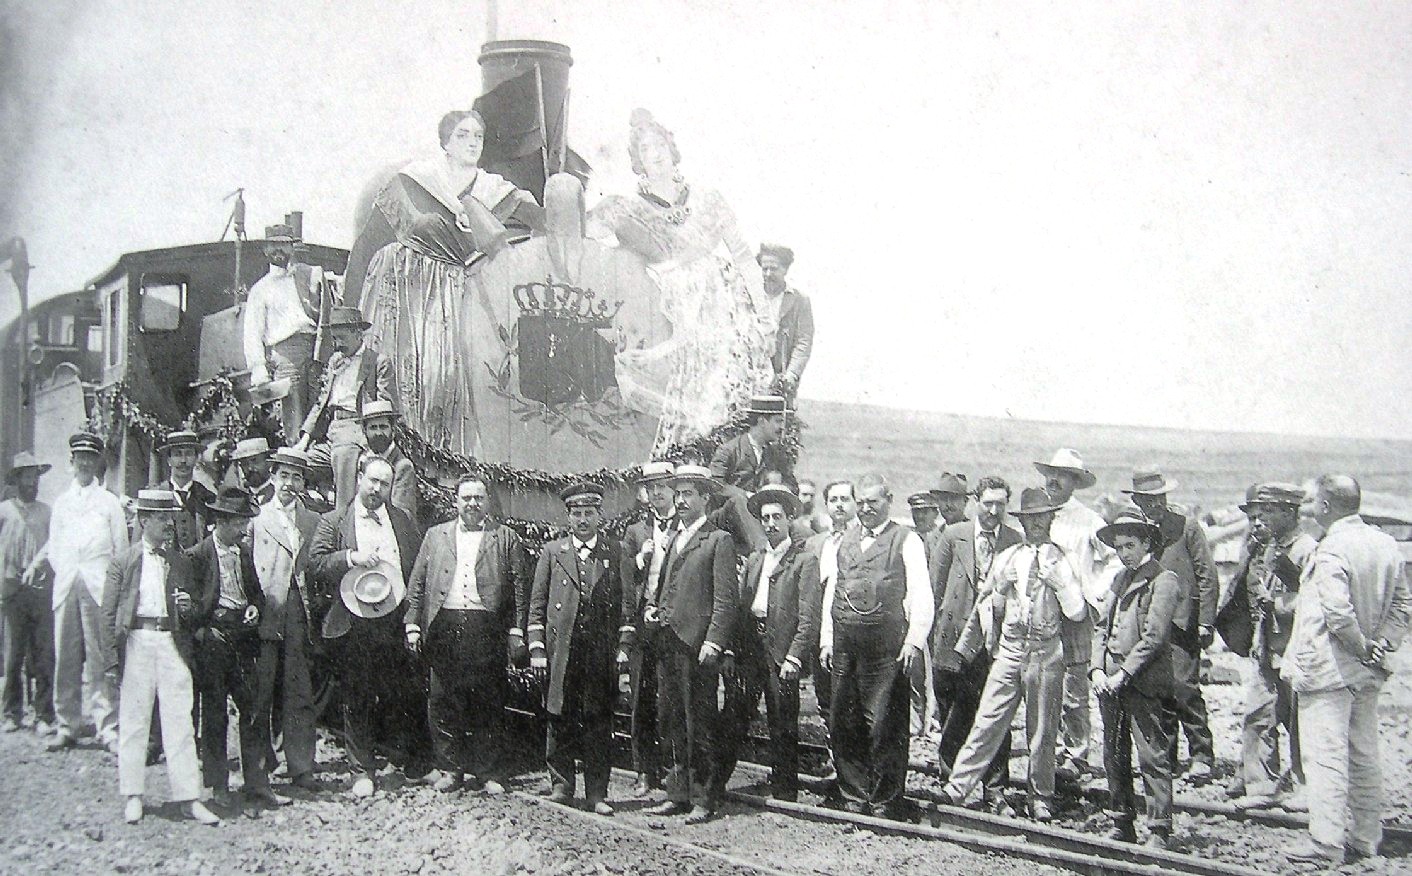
(116, 408)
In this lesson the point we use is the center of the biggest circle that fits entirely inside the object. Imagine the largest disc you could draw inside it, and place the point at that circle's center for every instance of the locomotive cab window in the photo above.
(162, 302)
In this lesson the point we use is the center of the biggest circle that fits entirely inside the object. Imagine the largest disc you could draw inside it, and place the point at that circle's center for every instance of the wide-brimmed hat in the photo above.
(85, 442)
(582, 494)
(279, 233)
(656, 471)
(372, 591)
(1067, 459)
(694, 474)
(24, 460)
(1131, 521)
(290, 457)
(233, 502)
(772, 493)
(1150, 482)
(1274, 494)
(925, 499)
(157, 500)
(271, 392)
(950, 485)
(347, 317)
(1035, 500)
(180, 438)
(377, 408)
(249, 448)
(766, 405)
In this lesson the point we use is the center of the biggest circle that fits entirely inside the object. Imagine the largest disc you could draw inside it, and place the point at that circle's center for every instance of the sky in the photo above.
(1189, 214)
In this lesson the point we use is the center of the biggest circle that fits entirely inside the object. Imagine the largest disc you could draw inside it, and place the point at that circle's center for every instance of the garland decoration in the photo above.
(116, 409)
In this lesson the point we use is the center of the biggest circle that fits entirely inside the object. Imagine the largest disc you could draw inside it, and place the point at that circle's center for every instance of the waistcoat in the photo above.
(872, 584)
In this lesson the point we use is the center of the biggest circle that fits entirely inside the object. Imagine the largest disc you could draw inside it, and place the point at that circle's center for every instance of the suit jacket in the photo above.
(191, 522)
(952, 563)
(334, 538)
(792, 613)
(574, 614)
(206, 572)
(375, 382)
(404, 481)
(734, 463)
(635, 579)
(795, 338)
(281, 565)
(698, 595)
(120, 592)
(502, 575)
(1188, 555)
(1135, 635)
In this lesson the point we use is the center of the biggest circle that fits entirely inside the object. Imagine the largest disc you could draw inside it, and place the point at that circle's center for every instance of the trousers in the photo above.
(688, 716)
(227, 668)
(466, 651)
(1269, 705)
(1135, 719)
(283, 666)
(757, 674)
(1191, 704)
(154, 671)
(1076, 720)
(869, 712)
(583, 729)
(382, 691)
(1034, 670)
(79, 646)
(29, 638)
(958, 699)
(1339, 748)
(642, 691)
(346, 444)
(291, 358)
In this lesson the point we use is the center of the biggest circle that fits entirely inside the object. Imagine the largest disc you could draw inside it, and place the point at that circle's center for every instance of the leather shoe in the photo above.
(1123, 832)
(1353, 853)
(601, 807)
(1312, 854)
(132, 810)
(305, 782)
(267, 796)
(363, 787)
(668, 807)
(197, 811)
(1248, 802)
(560, 794)
(60, 742)
(699, 815)
(1041, 811)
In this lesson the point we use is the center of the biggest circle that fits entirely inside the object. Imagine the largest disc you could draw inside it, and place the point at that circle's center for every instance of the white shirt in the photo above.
(273, 313)
(376, 535)
(584, 548)
(661, 536)
(918, 604)
(86, 531)
(463, 595)
(344, 393)
(1021, 601)
(1075, 531)
(828, 556)
(152, 584)
(232, 593)
(285, 515)
(761, 606)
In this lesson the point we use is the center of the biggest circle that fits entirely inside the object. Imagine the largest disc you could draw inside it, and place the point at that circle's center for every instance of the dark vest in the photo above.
(871, 585)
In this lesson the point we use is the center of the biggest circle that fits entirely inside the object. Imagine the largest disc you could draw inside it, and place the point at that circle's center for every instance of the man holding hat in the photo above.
(280, 539)
(744, 461)
(377, 421)
(280, 324)
(87, 531)
(361, 557)
(1188, 555)
(794, 338)
(251, 459)
(466, 602)
(151, 607)
(776, 633)
(1256, 619)
(1075, 530)
(228, 647)
(1132, 674)
(26, 596)
(574, 634)
(1030, 588)
(950, 496)
(181, 449)
(356, 375)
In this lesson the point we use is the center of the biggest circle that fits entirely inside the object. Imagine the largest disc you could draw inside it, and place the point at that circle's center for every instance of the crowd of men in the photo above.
(728, 588)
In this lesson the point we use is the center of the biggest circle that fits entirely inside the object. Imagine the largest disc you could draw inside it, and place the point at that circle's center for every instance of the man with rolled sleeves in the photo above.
(776, 633)
(180, 451)
(574, 631)
(26, 597)
(279, 324)
(690, 617)
(466, 603)
(1188, 555)
(877, 613)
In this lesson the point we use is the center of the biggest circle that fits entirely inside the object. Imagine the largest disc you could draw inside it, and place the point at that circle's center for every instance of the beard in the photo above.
(28, 493)
(379, 444)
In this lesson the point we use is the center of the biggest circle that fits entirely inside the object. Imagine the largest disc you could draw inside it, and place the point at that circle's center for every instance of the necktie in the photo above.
(985, 554)
(1033, 580)
(374, 516)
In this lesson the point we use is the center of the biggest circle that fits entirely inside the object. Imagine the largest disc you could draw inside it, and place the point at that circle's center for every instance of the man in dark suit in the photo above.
(378, 680)
(575, 606)
(794, 339)
(690, 617)
(228, 647)
(745, 460)
(776, 632)
(150, 606)
(180, 450)
(466, 603)
(961, 556)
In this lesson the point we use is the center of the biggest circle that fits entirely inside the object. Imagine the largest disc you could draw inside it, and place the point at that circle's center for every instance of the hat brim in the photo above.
(1047, 509)
(1163, 490)
(273, 391)
(768, 497)
(678, 480)
(360, 325)
(1108, 533)
(940, 493)
(382, 607)
(223, 511)
(13, 474)
(1086, 477)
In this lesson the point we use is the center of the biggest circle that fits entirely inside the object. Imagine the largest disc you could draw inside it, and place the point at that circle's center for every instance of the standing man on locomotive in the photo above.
(280, 325)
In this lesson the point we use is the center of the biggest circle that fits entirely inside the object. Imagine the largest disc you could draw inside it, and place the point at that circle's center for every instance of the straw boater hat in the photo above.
(377, 408)
(923, 500)
(85, 442)
(694, 474)
(249, 448)
(233, 502)
(767, 405)
(656, 471)
(180, 438)
(1274, 494)
(774, 493)
(1034, 500)
(372, 591)
(951, 485)
(24, 460)
(156, 501)
(1067, 459)
(582, 494)
(347, 317)
(1150, 482)
(1131, 521)
(290, 457)
(269, 393)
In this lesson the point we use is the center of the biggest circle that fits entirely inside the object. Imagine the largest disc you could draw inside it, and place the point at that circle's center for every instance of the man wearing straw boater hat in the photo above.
(776, 635)
(466, 602)
(280, 324)
(1132, 675)
(689, 616)
(251, 460)
(87, 530)
(280, 539)
(26, 596)
(1188, 555)
(745, 460)
(1030, 588)
(180, 451)
(151, 607)
(377, 419)
(794, 338)
(574, 635)
(228, 648)
(1075, 530)
(362, 556)
(356, 375)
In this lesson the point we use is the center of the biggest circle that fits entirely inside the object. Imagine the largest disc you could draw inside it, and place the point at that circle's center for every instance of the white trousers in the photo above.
(153, 670)
(1338, 743)
(79, 649)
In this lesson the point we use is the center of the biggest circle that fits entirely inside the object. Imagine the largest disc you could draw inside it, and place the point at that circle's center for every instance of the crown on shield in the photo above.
(566, 301)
